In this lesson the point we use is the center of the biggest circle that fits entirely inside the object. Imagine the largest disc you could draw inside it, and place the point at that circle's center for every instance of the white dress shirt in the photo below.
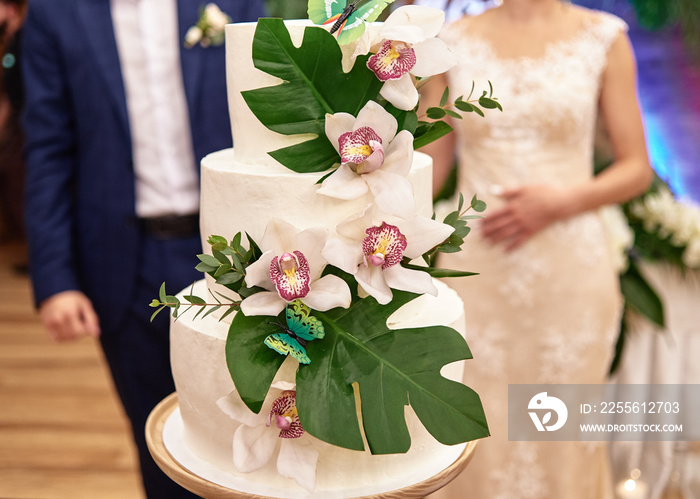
(149, 51)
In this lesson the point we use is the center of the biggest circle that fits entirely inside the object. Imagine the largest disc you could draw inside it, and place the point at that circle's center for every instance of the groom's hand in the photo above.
(69, 316)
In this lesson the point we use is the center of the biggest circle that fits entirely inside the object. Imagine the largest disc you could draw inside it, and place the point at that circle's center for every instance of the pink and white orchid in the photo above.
(408, 47)
(373, 158)
(375, 244)
(290, 268)
(256, 439)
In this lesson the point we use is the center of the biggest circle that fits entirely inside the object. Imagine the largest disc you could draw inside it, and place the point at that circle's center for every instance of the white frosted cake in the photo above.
(243, 189)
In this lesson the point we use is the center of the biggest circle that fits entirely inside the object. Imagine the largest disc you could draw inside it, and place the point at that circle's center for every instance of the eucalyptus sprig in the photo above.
(458, 219)
(164, 300)
(468, 105)
(227, 265)
(429, 131)
(228, 262)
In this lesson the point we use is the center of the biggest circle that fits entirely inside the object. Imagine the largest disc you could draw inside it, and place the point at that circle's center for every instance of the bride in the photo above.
(546, 305)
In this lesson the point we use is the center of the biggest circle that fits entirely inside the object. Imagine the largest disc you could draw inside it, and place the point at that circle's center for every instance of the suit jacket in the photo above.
(80, 201)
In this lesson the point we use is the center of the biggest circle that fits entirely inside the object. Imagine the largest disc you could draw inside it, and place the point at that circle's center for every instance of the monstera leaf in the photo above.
(390, 368)
(313, 85)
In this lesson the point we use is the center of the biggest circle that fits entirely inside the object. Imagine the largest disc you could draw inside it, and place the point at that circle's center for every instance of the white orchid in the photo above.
(373, 157)
(408, 47)
(290, 268)
(377, 243)
(256, 439)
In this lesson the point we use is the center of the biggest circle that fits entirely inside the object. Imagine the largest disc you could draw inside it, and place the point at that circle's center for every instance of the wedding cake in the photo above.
(321, 366)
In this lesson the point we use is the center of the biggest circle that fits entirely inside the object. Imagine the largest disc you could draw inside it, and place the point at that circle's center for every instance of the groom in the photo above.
(118, 115)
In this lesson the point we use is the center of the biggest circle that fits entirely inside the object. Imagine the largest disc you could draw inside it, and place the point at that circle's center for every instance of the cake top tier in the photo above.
(252, 139)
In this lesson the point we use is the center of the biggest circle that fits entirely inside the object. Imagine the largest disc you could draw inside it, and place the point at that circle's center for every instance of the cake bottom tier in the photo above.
(201, 378)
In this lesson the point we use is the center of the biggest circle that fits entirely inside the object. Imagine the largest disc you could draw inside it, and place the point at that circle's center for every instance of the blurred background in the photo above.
(62, 433)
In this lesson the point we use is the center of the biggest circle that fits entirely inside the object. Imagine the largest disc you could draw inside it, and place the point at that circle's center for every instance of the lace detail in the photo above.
(564, 350)
(521, 476)
(524, 268)
(490, 354)
(587, 231)
(550, 102)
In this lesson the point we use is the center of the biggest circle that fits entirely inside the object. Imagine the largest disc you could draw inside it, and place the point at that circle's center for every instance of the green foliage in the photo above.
(314, 84)
(251, 363)
(640, 295)
(391, 368)
(459, 220)
(226, 265)
(428, 132)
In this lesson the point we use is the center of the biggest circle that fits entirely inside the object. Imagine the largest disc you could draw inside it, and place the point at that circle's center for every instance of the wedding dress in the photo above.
(549, 311)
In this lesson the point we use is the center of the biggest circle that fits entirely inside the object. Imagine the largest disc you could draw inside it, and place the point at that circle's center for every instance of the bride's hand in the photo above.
(528, 210)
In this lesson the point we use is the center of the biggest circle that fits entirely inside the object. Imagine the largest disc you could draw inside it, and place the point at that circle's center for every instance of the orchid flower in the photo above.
(409, 47)
(373, 157)
(376, 245)
(289, 269)
(255, 440)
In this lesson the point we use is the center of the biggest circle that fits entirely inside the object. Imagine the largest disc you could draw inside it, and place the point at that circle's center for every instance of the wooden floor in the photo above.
(63, 434)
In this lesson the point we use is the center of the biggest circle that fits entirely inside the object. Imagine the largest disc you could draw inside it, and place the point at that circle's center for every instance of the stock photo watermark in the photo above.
(603, 412)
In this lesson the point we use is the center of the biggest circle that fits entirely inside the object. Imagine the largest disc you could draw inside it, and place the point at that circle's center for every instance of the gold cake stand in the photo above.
(210, 490)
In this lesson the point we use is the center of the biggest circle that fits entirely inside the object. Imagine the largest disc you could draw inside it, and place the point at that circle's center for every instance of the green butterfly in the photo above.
(301, 328)
(348, 20)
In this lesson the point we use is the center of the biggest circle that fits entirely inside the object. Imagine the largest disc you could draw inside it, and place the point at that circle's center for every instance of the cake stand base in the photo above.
(209, 490)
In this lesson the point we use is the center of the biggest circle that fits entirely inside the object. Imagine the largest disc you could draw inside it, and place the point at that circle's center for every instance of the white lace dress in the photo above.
(549, 311)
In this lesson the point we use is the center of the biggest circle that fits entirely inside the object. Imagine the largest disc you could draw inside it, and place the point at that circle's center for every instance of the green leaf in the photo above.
(435, 113)
(251, 363)
(453, 114)
(194, 299)
(440, 273)
(317, 155)
(472, 90)
(217, 243)
(429, 133)
(229, 278)
(390, 368)
(478, 205)
(161, 293)
(445, 96)
(313, 85)
(464, 106)
(205, 268)
(211, 310)
(641, 296)
(153, 316)
(171, 300)
(488, 103)
(209, 260)
(222, 259)
(236, 242)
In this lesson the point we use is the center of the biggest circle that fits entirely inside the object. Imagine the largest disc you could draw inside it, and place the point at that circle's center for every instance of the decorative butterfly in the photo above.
(347, 19)
(301, 328)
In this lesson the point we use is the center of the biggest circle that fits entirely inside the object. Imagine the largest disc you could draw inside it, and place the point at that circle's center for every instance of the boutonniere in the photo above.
(209, 29)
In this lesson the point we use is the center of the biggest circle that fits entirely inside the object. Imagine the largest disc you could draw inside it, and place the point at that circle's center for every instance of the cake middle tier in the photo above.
(239, 197)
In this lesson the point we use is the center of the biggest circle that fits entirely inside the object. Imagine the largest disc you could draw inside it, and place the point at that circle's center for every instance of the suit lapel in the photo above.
(191, 59)
(97, 22)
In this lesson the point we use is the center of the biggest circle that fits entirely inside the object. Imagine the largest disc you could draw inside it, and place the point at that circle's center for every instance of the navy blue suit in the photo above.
(80, 202)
